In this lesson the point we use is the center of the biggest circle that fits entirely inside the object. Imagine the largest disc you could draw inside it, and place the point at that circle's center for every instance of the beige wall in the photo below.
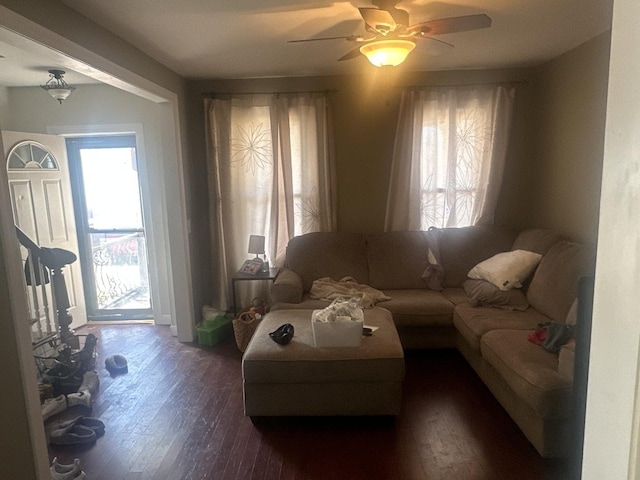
(566, 168)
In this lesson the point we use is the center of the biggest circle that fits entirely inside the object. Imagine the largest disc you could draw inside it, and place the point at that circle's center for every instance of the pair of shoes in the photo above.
(90, 382)
(283, 334)
(66, 472)
(116, 364)
(80, 398)
(51, 406)
(92, 423)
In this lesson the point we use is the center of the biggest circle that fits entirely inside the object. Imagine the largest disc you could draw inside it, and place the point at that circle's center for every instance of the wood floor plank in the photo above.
(177, 414)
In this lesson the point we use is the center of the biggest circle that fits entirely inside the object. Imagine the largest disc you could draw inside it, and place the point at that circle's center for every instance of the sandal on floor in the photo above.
(75, 435)
(94, 424)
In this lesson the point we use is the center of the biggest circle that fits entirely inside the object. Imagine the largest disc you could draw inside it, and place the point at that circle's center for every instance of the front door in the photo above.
(42, 205)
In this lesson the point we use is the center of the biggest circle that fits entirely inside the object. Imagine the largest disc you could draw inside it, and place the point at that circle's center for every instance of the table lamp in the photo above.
(256, 245)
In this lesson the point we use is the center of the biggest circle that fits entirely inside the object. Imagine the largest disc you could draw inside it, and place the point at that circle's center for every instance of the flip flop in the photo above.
(75, 435)
(89, 422)
(94, 424)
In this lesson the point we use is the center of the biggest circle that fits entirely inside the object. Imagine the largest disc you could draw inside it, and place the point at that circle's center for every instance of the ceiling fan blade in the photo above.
(353, 38)
(379, 20)
(442, 26)
(436, 47)
(441, 42)
(355, 53)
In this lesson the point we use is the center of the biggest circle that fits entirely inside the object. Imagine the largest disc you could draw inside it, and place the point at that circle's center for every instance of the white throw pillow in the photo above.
(506, 270)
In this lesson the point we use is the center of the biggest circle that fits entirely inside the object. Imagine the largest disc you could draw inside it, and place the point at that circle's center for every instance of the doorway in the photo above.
(110, 226)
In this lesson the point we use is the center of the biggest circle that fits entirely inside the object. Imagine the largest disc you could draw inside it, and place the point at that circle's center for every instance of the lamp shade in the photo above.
(387, 53)
(59, 93)
(256, 244)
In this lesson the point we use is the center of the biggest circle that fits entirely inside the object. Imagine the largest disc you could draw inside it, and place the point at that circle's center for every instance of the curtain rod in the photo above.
(217, 94)
(437, 85)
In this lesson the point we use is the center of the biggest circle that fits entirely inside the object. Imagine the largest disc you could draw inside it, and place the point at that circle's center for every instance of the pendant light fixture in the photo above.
(57, 87)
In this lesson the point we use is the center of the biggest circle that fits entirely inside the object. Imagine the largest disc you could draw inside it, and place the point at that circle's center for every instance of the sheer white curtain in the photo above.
(449, 156)
(270, 167)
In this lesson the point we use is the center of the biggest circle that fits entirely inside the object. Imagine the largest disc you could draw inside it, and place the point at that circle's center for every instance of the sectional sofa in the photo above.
(436, 305)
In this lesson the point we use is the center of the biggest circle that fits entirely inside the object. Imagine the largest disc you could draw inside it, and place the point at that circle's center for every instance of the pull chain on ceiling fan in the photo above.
(390, 38)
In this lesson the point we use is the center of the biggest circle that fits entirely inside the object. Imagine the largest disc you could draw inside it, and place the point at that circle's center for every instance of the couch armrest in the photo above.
(566, 360)
(287, 288)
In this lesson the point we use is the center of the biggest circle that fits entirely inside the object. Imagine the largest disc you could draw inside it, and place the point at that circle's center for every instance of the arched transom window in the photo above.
(31, 155)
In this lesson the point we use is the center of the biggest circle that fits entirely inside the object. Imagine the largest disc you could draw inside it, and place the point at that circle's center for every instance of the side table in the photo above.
(239, 276)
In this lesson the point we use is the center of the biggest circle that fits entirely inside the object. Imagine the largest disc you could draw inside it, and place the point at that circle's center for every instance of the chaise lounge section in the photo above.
(441, 308)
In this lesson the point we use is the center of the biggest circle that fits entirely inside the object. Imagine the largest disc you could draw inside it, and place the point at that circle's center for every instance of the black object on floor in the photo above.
(116, 364)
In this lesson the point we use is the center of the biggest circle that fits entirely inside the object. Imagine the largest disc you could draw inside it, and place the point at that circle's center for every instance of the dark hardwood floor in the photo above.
(177, 414)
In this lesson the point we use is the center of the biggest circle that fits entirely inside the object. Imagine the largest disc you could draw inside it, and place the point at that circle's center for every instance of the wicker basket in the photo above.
(243, 327)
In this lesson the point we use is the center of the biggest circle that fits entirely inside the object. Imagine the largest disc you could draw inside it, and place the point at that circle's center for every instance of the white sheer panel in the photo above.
(448, 157)
(270, 173)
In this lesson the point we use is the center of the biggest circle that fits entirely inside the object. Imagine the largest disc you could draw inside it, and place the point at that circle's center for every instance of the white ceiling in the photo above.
(246, 38)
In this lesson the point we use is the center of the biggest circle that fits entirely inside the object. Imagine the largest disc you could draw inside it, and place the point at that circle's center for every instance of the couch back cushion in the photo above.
(536, 240)
(397, 260)
(555, 284)
(461, 249)
(328, 254)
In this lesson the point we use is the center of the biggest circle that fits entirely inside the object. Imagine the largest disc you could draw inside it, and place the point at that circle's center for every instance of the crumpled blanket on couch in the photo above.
(328, 289)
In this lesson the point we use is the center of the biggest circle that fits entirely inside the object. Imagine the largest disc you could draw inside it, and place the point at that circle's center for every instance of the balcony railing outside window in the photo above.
(120, 270)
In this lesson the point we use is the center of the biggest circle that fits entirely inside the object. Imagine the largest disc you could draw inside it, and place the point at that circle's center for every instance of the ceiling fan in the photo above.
(389, 37)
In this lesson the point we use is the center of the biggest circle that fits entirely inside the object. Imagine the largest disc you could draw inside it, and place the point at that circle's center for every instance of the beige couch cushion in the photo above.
(418, 308)
(455, 295)
(473, 322)
(530, 371)
(555, 283)
(323, 254)
(567, 360)
(460, 249)
(485, 294)
(536, 240)
(287, 287)
(397, 259)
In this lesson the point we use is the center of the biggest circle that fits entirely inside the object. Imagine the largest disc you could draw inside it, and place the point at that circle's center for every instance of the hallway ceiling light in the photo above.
(57, 87)
(387, 53)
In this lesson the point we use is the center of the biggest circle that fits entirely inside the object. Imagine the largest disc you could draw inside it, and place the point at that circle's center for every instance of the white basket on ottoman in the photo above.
(300, 379)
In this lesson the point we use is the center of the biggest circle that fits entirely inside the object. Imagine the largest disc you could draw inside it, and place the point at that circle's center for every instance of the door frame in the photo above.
(74, 145)
(150, 188)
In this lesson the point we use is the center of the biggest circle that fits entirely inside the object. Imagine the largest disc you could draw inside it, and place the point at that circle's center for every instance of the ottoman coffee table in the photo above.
(299, 379)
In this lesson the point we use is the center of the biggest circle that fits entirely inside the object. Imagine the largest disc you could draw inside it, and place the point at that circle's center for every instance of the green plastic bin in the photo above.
(213, 332)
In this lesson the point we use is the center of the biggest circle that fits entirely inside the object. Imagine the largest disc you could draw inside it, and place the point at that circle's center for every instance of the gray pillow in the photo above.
(485, 294)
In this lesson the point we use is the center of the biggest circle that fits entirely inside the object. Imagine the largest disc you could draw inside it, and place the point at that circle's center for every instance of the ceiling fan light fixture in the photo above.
(57, 87)
(387, 53)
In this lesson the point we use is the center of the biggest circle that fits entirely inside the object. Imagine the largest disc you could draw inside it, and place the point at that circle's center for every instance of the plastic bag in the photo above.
(338, 310)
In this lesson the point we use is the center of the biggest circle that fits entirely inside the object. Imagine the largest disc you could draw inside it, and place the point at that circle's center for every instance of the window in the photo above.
(449, 157)
(31, 155)
(451, 167)
(270, 174)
